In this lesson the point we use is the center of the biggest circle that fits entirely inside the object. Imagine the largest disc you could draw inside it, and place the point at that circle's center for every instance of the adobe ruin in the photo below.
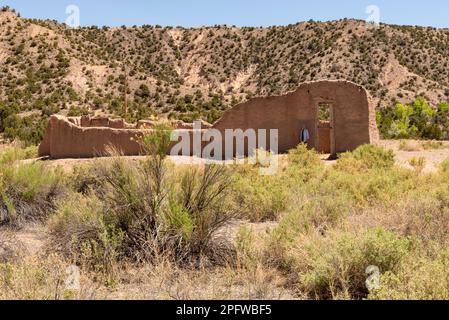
(338, 115)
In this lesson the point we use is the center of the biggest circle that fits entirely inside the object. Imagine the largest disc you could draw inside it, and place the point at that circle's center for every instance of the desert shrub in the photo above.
(444, 166)
(416, 278)
(15, 153)
(409, 146)
(318, 215)
(326, 201)
(182, 224)
(246, 253)
(434, 145)
(357, 189)
(29, 192)
(311, 244)
(366, 157)
(335, 266)
(303, 157)
(82, 229)
(145, 213)
(29, 129)
(418, 163)
(322, 213)
(259, 198)
(40, 278)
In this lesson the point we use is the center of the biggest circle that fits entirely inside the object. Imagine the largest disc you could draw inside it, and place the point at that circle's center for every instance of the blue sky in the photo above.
(233, 12)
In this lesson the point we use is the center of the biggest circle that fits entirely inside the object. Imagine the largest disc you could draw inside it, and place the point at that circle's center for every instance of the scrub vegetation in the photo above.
(149, 229)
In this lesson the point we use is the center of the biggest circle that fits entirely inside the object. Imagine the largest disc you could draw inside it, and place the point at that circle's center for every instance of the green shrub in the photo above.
(417, 278)
(366, 157)
(418, 163)
(29, 192)
(416, 120)
(303, 157)
(444, 166)
(15, 153)
(178, 217)
(434, 145)
(335, 266)
(82, 229)
(259, 198)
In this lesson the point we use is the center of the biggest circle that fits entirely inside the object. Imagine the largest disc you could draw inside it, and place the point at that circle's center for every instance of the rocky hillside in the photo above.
(48, 68)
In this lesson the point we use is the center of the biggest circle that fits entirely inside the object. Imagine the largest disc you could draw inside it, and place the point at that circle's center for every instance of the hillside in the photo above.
(48, 68)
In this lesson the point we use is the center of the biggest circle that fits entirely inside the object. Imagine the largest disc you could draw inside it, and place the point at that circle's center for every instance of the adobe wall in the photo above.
(353, 114)
(65, 138)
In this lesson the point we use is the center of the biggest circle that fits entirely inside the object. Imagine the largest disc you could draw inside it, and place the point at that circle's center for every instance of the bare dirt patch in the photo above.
(417, 149)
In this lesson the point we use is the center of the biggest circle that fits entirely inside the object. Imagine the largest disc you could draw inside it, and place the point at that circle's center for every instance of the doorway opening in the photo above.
(325, 128)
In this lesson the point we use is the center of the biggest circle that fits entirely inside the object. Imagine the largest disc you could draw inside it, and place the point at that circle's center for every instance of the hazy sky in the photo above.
(233, 12)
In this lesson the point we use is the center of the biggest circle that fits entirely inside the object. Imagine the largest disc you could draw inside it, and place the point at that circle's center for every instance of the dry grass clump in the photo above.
(258, 198)
(418, 163)
(410, 146)
(28, 192)
(43, 278)
(434, 145)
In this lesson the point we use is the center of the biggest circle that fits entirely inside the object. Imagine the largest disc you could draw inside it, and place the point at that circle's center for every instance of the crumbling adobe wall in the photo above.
(354, 123)
(65, 139)
(88, 122)
(353, 113)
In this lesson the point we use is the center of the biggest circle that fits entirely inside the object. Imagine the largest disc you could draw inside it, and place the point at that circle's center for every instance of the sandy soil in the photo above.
(69, 164)
(33, 238)
(434, 157)
(414, 149)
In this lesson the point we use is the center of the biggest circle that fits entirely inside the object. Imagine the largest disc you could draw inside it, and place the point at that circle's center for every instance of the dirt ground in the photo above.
(405, 150)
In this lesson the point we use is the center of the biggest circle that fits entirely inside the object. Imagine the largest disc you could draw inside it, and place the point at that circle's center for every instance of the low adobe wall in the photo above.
(65, 139)
(354, 124)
